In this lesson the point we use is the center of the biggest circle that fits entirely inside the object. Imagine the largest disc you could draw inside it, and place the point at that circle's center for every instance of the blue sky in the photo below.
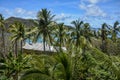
(93, 11)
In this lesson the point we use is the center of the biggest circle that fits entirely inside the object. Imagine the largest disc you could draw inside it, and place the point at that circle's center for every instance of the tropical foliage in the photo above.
(81, 53)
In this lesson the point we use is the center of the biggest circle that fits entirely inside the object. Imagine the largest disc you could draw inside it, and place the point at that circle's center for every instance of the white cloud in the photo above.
(30, 13)
(92, 9)
(95, 11)
(4, 11)
(18, 12)
(93, 1)
(62, 17)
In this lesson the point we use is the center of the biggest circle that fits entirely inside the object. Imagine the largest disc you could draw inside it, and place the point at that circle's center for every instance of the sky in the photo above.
(95, 12)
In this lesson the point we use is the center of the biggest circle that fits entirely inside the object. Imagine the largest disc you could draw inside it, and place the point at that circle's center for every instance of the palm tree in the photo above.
(18, 34)
(30, 32)
(44, 70)
(87, 33)
(45, 19)
(60, 34)
(115, 31)
(11, 67)
(77, 31)
(66, 65)
(97, 33)
(50, 68)
(2, 27)
(104, 35)
(29, 36)
(104, 32)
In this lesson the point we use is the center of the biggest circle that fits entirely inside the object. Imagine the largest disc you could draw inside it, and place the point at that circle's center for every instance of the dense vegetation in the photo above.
(89, 55)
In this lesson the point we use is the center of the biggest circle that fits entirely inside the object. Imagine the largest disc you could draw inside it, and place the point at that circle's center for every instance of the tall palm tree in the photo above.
(115, 31)
(104, 35)
(77, 31)
(104, 31)
(18, 34)
(87, 33)
(60, 34)
(2, 27)
(45, 19)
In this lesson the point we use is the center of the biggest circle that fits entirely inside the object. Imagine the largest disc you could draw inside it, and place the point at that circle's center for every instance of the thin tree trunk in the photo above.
(60, 44)
(78, 43)
(50, 42)
(49, 47)
(29, 36)
(3, 38)
(104, 46)
(29, 39)
(21, 43)
(44, 42)
(13, 48)
(16, 54)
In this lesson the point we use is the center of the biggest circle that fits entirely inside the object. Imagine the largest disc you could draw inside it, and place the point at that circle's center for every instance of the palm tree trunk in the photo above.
(114, 35)
(78, 43)
(3, 38)
(16, 48)
(44, 42)
(29, 39)
(21, 43)
(60, 44)
(104, 46)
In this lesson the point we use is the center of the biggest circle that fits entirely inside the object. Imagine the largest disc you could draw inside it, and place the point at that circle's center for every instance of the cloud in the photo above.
(63, 17)
(93, 1)
(18, 12)
(91, 9)
(4, 11)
